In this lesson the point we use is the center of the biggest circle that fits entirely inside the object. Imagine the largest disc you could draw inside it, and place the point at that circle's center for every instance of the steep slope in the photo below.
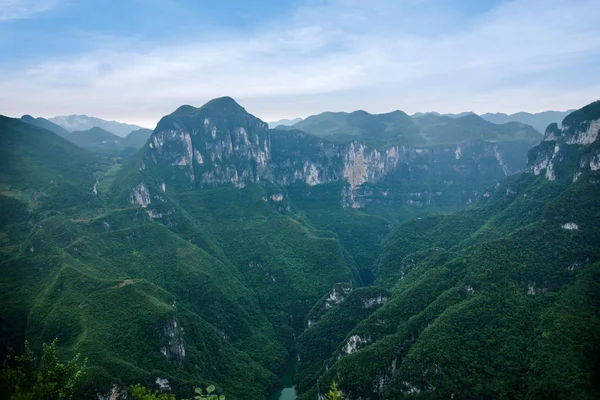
(137, 138)
(225, 151)
(220, 144)
(45, 124)
(481, 299)
(203, 258)
(33, 167)
(153, 284)
(74, 123)
(137, 299)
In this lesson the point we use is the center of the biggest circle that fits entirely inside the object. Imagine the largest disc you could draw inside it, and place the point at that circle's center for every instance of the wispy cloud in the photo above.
(339, 54)
(21, 9)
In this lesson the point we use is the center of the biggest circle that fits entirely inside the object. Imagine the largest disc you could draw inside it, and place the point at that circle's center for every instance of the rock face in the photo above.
(579, 130)
(220, 143)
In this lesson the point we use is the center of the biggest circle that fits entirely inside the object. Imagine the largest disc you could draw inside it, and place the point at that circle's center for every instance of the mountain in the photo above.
(100, 141)
(538, 120)
(223, 248)
(96, 140)
(135, 140)
(74, 123)
(497, 300)
(462, 114)
(168, 290)
(42, 169)
(45, 124)
(382, 130)
(284, 122)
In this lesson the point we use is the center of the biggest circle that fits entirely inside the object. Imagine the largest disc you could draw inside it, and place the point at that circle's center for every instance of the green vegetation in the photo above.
(161, 274)
(140, 392)
(45, 124)
(96, 140)
(24, 378)
(100, 141)
(134, 141)
(496, 301)
(200, 395)
(334, 393)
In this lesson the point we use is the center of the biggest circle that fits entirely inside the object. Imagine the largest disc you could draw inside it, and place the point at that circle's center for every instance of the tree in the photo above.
(334, 393)
(208, 395)
(23, 378)
(139, 392)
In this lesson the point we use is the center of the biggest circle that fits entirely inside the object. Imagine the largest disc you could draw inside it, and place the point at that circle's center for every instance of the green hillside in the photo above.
(482, 298)
(221, 249)
(184, 298)
(45, 124)
(135, 140)
(100, 141)
(96, 140)
(43, 170)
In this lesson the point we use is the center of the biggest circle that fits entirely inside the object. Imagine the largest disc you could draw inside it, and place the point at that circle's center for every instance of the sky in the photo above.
(137, 60)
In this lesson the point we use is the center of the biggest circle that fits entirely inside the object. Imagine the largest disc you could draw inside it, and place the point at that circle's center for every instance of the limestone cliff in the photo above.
(220, 143)
(557, 151)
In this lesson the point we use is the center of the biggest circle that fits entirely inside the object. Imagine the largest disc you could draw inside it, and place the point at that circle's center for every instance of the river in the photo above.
(286, 389)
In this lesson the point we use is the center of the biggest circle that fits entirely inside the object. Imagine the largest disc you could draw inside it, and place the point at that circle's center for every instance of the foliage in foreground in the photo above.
(23, 378)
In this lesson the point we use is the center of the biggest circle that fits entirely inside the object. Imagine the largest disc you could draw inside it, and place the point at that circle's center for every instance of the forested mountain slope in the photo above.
(497, 301)
(204, 258)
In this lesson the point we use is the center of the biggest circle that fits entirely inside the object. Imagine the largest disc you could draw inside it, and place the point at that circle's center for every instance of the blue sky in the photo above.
(137, 60)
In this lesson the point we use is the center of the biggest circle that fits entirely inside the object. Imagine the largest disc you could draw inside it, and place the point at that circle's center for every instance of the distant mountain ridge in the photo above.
(383, 130)
(538, 120)
(284, 122)
(97, 139)
(74, 123)
(101, 141)
(45, 124)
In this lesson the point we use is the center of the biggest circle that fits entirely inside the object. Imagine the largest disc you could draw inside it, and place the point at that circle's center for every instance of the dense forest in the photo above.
(393, 256)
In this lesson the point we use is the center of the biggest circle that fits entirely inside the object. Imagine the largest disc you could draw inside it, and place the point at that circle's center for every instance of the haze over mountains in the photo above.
(97, 139)
(284, 122)
(83, 122)
(538, 121)
(222, 248)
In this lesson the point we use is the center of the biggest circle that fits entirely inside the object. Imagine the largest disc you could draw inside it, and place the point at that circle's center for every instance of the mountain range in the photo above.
(538, 121)
(381, 130)
(96, 139)
(403, 257)
(284, 122)
(74, 123)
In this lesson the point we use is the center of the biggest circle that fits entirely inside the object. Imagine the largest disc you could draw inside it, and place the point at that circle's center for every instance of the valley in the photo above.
(402, 257)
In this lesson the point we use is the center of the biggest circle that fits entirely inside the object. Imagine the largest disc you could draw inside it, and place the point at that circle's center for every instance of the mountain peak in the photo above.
(45, 124)
(223, 105)
(220, 106)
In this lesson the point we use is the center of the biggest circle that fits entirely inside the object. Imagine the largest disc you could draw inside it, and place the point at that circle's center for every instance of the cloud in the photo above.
(352, 53)
(21, 9)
